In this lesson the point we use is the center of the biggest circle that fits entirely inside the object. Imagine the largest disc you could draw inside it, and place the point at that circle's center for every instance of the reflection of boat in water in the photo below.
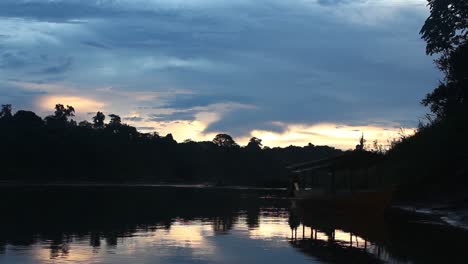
(347, 182)
(363, 200)
(338, 238)
(359, 238)
(334, 252)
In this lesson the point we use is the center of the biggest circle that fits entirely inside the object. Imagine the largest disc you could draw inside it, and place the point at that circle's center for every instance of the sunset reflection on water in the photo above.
(184, 241)
(203, 225)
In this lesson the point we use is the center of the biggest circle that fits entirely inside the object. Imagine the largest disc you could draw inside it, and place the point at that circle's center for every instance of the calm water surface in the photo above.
(205, 225)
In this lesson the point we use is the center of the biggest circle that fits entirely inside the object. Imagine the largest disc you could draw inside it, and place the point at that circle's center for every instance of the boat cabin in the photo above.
(356, 170)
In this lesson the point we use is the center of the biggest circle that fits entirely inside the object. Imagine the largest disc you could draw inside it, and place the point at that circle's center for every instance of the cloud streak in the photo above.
(226, 66)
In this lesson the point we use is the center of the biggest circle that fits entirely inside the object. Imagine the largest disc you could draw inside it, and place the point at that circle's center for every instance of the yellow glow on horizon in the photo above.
(341, 136)
(180, 129)
(80, 104)
(121, 102)
(337, 135)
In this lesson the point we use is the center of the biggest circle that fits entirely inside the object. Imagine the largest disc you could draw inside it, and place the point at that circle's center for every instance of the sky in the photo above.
(289, 72)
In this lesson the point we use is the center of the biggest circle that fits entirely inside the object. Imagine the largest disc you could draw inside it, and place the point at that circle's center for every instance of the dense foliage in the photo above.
(58, 149)
(446, 34)
(435, 161)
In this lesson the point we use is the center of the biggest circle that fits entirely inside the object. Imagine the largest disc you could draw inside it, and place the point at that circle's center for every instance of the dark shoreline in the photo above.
(138, 184)
(449, 214)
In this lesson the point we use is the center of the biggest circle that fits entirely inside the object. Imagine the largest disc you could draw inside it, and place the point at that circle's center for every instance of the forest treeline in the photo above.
(435, 159)
(58, 149)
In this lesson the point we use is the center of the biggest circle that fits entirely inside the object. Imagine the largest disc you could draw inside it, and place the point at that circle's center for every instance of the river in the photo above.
(186, 224)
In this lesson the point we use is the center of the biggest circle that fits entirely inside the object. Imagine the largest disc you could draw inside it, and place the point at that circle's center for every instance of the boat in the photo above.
(370, 201)
(349, 182)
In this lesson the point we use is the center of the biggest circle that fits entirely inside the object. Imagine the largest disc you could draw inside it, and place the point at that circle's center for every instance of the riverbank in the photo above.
(449, 212)
(138, 184)
(454, 214)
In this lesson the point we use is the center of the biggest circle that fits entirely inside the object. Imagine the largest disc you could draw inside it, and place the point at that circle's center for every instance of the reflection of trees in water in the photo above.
(59, 248)
(222, 225)
(95, 239)
(253, 216)
(399, 238)
(2, 247)
(109, 215)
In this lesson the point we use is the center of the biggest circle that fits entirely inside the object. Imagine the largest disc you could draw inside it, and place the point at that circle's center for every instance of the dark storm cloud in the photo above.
(335, 61)
(61, 67)
(10, 94)
(333, 2)
(306, 109)
(52, 10)
(200, 100)
(186, 115)
(76, 11)
(11, 59)
(95, 44)
(8, 90)
(134, 118)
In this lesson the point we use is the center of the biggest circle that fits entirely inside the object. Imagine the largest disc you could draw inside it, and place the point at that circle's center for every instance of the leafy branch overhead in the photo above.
(446, 34)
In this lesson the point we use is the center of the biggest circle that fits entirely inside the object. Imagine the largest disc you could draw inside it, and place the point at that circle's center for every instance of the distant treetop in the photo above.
(225, 140)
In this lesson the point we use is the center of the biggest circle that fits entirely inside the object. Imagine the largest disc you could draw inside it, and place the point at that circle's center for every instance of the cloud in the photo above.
(12, 60)
(333, 2)
(200, 100)
(187, 115)
(341, 136)
(62, 67)
(221, 66)
(134, 118)
(57, 11)
(146, 128)
(95, 44)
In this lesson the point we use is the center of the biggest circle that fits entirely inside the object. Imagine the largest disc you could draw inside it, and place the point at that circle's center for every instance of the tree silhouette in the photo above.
(446, 27)
(450, 97)
(86, 124)
(33, 145)
(62, 112)
(446, 33)
(61, 116)
(115, 121)
(5, 113)
(168, 139)
(254, 144)
(27, 119)
(224, 140)
(361, 145)
(98, 120)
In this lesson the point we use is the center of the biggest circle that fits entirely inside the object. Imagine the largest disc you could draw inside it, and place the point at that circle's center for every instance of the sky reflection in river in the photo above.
(196, 225)
(187, 241)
